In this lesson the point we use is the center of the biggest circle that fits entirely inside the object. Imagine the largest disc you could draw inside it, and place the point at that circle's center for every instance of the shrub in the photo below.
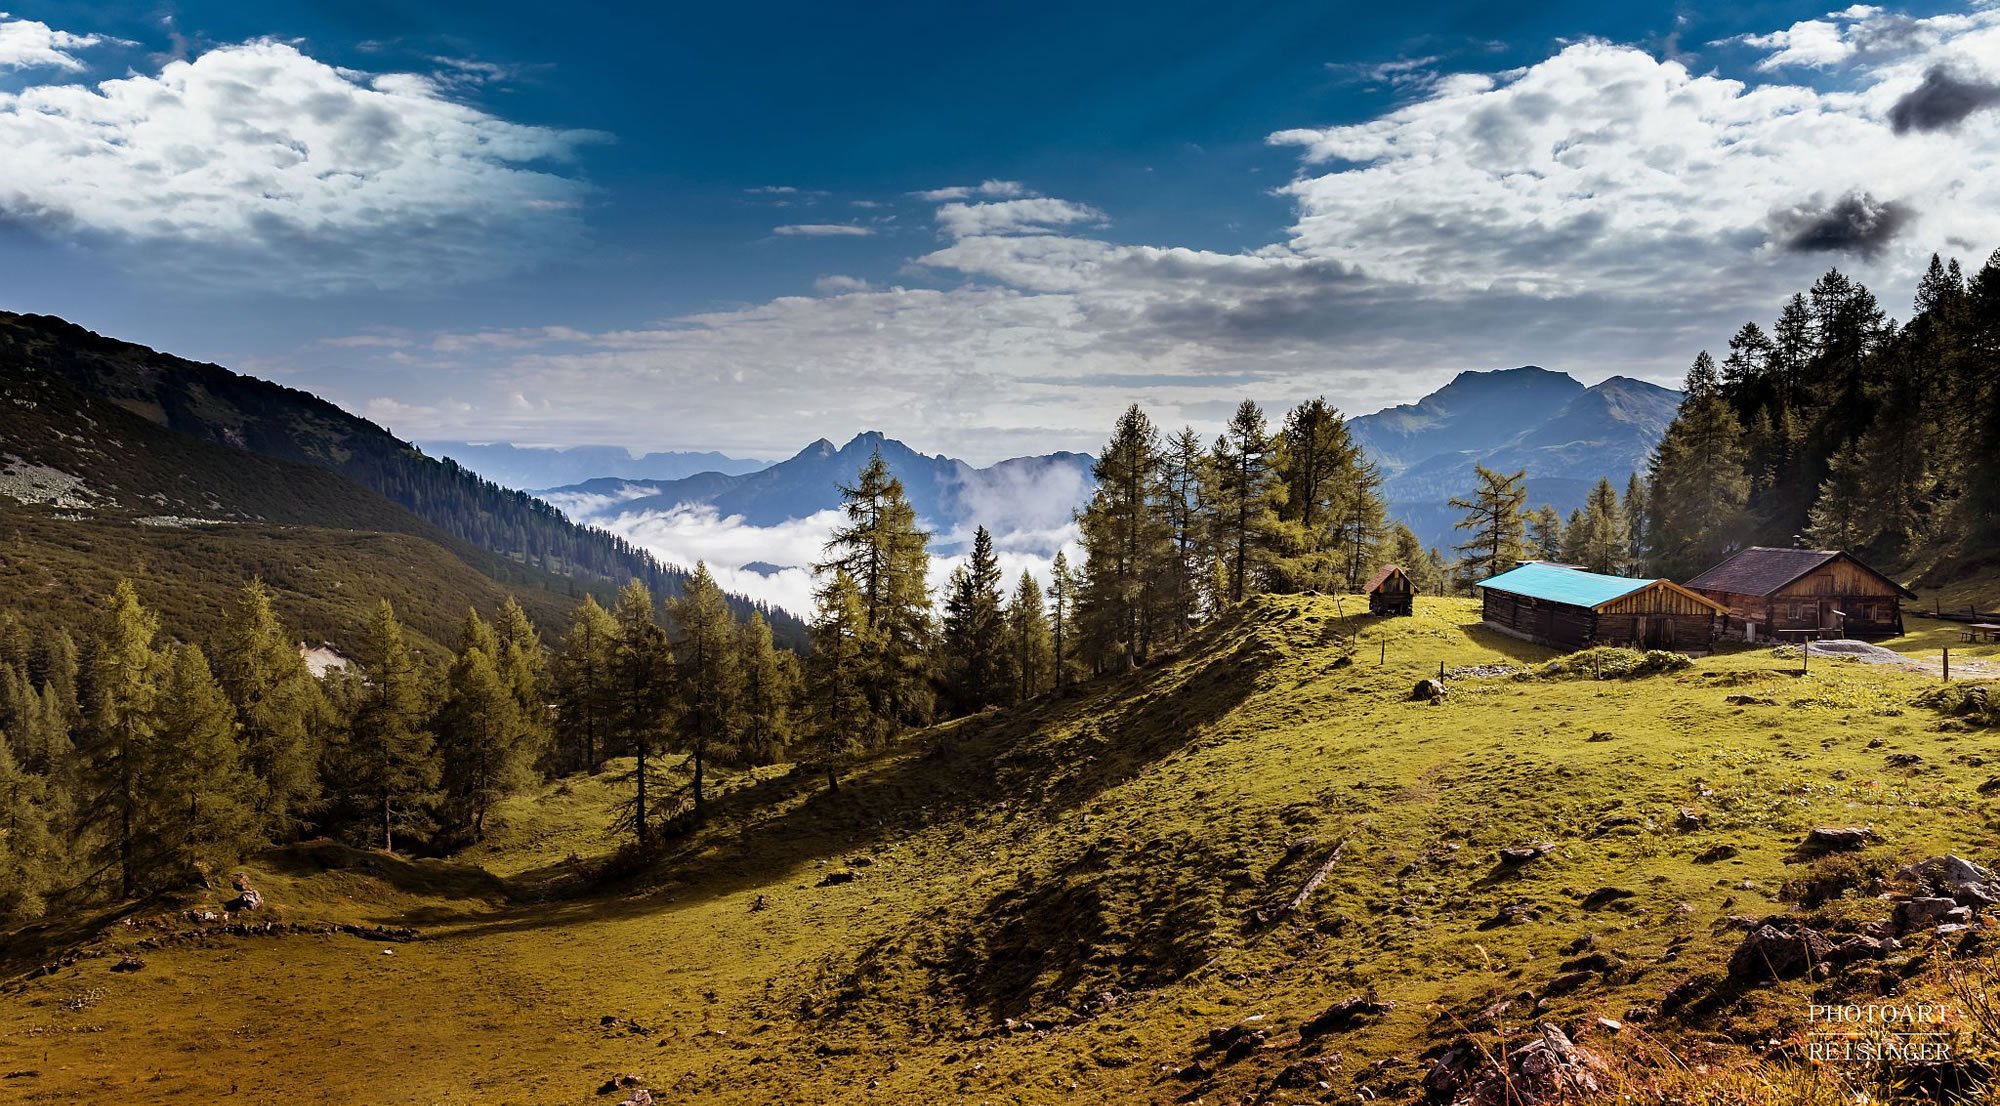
(1972, 702)
(1610, 663)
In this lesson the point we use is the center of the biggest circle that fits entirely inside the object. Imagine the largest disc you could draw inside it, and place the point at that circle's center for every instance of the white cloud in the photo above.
(26, 44)
(837, 285)
(1603, 211)
(992, 190)
(823, 230)
(1012, 216)
(257, 164)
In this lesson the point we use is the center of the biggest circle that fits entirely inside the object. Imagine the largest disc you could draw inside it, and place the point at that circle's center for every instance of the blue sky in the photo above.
(980, 228)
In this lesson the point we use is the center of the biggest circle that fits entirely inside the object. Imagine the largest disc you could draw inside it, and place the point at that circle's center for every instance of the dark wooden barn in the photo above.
(1573, 609)
(1390, 591)
(1771, 592)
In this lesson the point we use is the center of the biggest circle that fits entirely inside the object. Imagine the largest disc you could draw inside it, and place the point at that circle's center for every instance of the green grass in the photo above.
(1120, 839)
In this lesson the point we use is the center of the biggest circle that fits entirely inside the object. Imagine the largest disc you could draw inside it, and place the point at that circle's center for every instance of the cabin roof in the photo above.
(1764, 570)
(1562, 584)
(1376, 580)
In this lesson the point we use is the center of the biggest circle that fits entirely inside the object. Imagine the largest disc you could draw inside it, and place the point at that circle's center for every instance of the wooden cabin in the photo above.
(1785, 592)
(1573, 609)
(1390, 591)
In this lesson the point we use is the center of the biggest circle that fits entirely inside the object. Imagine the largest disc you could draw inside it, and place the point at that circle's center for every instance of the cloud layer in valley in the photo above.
(257, 163)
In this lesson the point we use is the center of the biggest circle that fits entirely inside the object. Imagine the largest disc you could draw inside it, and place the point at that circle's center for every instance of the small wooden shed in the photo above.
(1769, 591)
(1573, 609)
(1390, 591)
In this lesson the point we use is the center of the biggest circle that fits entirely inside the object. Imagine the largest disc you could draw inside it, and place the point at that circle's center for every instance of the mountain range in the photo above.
(515, 466)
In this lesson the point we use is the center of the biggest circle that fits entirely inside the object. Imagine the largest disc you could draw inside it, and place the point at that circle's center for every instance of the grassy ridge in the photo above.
(1135, 839)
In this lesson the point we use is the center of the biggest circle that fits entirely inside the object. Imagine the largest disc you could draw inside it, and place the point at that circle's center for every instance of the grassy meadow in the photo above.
(1059, 903)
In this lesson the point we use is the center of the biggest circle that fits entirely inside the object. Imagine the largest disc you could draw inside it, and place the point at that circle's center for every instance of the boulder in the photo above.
(1838, 839)
(1316, 1072)
(1549, 1068)
(1862, 948)
(1927, 912)
(1429, 690)
(1968, 883)
(1521, 854)
(1689, 819)
(1773, 952)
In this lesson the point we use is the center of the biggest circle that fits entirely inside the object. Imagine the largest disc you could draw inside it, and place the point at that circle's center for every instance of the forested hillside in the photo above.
(212, 404)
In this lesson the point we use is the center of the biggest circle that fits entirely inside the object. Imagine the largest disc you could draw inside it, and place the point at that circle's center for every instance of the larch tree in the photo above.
(1125, 540)
(1493, 516)
(124, 693)
(583, 685)
(1247, 494)
(485, 749)
(395, 762)
(708, 680)
(641, 702)
(770, 693)
(1634, 508)
(973, 652)
(275, 697)
(1545, 533)
(27, 849)
(523, 664)
(1186, 481)
(1030, 648)
(1606, 540)
(202, 809)
(839, 717)
(1062, 618)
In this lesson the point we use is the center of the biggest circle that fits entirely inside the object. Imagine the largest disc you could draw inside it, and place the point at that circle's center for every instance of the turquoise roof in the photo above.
(1558, 584)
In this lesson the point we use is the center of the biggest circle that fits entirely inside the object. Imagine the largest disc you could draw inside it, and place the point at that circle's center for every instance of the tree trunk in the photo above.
(639, 810)
(698, 759)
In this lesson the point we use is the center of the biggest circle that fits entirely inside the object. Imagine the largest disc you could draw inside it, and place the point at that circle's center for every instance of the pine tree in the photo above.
(1493, 514)
(1031, 649)
(839, 717)
(1247, 493)
(583, 685)
(770, 693)
(642, 701)
(395, 762)
(523, 663)
(200, 800)
(1125, 540)
(1062, 619)
(708, 681)
(1187, 480)
(972, 646)
(1576, 539)
(882, 550)
(1607, 540)
(1405, 551)
(1634, 508)
(124, 683)
(275, 696)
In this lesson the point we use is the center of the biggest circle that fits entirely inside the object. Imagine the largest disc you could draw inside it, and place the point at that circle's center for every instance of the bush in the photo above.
(1608, 662)
(1972, 702)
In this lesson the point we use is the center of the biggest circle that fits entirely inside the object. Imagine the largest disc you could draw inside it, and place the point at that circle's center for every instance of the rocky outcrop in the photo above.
(1770, 952)
(1549, 1068)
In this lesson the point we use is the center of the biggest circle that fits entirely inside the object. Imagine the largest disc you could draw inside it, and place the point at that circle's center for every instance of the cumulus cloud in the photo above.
(255, 163)
(1013, 216)
(823, 230)
(1943, 101)
(27, 44)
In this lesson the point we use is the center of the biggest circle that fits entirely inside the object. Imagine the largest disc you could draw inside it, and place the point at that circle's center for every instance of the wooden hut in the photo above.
(1771, 592)
(1390, 591)
(1573, 609)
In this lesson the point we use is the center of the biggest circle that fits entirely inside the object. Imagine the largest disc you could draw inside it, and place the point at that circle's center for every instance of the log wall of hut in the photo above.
(1393, 594)
(1559, 624)
(1871, 606)
(1654, 617)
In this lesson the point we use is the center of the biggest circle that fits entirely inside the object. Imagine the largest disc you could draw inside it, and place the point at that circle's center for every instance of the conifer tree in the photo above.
(839, 717)
(1604, 527)
(1247, 493)
(1405, 551)
(523, 664)
(1698, 486)
(27, 849)
(275, 696)
(708, 680)
(642, 701)
(1493, 515)
(1576, 538)
(1634, 508)
(200, 810)
(1032, 652)
(974, 653)
(1062, 618)
(583, 685)
(884, 553)
(1125, 540)
(485, 751)
(1545, 534)
(124, 683)
(770, 693)
(1187, 480)
(395, 760)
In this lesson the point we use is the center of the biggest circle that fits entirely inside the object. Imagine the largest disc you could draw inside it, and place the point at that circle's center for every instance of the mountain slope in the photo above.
(1072, 901)
(526, 468)
(210, 404)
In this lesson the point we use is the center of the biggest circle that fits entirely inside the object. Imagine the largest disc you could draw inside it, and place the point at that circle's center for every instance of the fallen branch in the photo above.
(1318, 877)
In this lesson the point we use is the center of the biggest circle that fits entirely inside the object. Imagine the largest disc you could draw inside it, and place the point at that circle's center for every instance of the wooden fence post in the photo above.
(1947, 664)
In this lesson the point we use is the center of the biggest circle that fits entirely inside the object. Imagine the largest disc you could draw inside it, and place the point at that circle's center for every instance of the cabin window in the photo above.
(1793, 611)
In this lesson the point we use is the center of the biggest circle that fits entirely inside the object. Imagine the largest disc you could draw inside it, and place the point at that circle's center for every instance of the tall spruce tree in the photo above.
(770, 693)
(839, 717)
(1634, 508)
(1247, 493)
(201, 809)
(1698, 485)
(1062, 619)
(1125, 540)
(885, 554)
(395, 760)
(1493, 515)
(1186, 483)
(275, 697)
(972, 646)
(523, 664)
(1545, 533)
(1031, 652)
(485, 750)
(708, 680)
(1606, 542)
(28, 855)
